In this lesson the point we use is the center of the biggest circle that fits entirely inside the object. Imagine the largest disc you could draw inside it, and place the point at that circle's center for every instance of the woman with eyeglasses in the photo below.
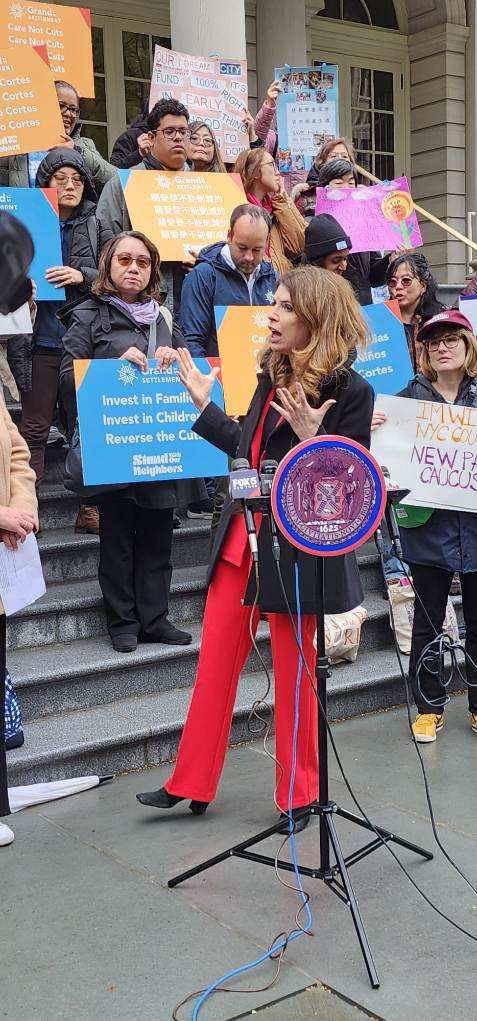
(123, 319)
(204, 153)
(445, 541)
(263, 186)
(411, 283)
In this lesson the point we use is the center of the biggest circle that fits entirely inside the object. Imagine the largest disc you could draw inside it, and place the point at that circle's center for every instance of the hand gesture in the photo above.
(379, 417)
(196, 382)
(304, 420)
(60, 276)
(65, 143)
(165, 357)
(249, 125)
(15, 524)
(273, 93)
(399, 249)
(133, 354)
(144, 144)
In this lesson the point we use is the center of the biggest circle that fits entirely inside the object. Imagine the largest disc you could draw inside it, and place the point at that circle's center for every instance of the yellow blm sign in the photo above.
(242, 335)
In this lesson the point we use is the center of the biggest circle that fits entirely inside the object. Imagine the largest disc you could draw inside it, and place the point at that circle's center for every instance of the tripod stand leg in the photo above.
(386, 834)
(353, 904)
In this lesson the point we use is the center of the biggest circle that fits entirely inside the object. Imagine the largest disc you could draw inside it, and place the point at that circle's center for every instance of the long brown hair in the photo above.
(326, 304)
(104, 284)
(217, 165)
(470, 362)
(248, 165)
(327, 147)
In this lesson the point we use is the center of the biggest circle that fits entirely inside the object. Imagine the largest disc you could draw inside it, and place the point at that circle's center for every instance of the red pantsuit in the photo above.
(225, 646)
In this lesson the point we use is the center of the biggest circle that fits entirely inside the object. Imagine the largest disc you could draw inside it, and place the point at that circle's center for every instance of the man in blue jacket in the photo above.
(231, 273)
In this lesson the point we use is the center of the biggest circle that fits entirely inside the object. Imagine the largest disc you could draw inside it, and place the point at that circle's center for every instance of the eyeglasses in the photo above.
(66, 179)
(66, 108)
(172, 132)
(142, 261)
(449, 342)
(197, 140)
(404, 281)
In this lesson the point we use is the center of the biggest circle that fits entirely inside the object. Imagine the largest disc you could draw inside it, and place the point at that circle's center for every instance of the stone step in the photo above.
(58, 678)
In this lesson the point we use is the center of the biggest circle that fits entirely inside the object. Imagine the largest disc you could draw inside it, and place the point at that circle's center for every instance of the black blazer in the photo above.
(351, 417)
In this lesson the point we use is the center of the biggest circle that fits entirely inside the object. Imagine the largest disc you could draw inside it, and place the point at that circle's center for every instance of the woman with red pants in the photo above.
(307, 385)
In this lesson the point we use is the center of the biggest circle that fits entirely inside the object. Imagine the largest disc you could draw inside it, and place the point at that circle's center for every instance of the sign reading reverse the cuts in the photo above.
(64, 31)
(137, 426)
(37, 208)
(307, 113)
(214, 91)
(30, 117)
(431, 449)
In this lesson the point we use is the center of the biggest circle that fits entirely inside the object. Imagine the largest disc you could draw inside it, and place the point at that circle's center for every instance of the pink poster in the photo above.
(377, 218)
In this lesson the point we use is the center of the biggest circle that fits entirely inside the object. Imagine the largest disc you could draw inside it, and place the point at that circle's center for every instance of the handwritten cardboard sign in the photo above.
(431, 449)
(66, 33)
(307, 114)
(214, 91)
(181, 210)
(376, 218)
(29, 113)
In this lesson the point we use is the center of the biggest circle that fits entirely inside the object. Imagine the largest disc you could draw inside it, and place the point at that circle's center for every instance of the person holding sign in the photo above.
(326, 244)
(307, 385)
(438, 543)
(204, 152)
(263, 187)
(412, 285)
(304, 193)
(123, 320)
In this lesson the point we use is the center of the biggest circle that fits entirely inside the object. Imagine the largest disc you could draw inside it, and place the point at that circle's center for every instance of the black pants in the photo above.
(134, 564)
(4, 806)
(433, 586)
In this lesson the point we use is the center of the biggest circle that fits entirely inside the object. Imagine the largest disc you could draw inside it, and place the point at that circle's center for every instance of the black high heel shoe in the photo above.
(162, 799)
(300, 824)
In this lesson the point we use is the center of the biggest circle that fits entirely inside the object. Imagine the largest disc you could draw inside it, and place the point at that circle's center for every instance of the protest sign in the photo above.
(214, 91)
(16, 322)
(137, 426)
(429, 448)
(30, 117)
(386, 363)
(376, 218)
(37, 209)
(307, 113)
(178, 210)
(64, 31)
(242, 332)
(468, 307)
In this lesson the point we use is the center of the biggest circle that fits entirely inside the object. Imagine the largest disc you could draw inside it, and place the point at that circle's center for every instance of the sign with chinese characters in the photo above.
(37, 209)
(386, 363)
(307, 114)
(242, 333)
(377, 218)
(137, 426)
(214, 91)
(429, 448)
(30, 117)
(179, 211)
(64, 31)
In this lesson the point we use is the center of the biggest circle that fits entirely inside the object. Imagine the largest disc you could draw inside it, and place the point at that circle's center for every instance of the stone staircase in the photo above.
(88, 709)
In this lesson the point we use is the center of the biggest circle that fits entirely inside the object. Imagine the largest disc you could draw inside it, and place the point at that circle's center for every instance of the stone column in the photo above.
(209, 27)
(281, 38)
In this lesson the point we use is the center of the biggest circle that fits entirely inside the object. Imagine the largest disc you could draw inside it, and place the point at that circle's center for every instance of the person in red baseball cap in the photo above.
(446, 542)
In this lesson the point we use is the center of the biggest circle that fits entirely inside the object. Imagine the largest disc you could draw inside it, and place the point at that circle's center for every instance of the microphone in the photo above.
(267, 473)
(244, 484)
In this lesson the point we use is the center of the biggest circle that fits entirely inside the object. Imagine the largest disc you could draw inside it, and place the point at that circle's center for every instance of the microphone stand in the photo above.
(335, 874)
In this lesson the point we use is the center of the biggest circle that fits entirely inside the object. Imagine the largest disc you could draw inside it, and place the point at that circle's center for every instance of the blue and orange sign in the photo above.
(37, 209)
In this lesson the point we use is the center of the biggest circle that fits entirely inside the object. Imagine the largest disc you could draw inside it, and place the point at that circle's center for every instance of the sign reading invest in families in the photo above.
(137, 426)
(307, 113)
(37, 208)
(29, 114)
(429, 448)
(181, 210)
(214, 91)
(386, 363)
(376, 218)
(65, 31)
(242, 333)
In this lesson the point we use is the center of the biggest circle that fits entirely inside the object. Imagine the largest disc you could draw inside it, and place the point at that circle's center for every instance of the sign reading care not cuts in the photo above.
(137, 426)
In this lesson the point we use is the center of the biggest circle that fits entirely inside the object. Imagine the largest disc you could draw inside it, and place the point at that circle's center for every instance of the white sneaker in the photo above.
(7, 835)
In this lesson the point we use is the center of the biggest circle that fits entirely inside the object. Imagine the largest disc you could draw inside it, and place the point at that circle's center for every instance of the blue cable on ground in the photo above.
(242, 969)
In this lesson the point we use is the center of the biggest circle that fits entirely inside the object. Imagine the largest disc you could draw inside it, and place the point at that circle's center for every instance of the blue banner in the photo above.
(386, 364)
(137, 426)
(307, 114)
(37, 209)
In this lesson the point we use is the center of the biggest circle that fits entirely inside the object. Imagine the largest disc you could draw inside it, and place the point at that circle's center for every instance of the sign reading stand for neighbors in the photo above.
(137, 426)
(377, 218)
(214, 91)
(30, 117)
(37, 209)
(307, 113)
(64, 31)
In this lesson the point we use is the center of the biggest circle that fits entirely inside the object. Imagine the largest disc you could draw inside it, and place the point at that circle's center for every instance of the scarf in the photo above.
(144, 312)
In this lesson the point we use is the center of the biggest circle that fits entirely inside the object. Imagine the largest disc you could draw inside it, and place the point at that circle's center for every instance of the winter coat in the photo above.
(14, 169)
(213, 282)
(17, 479)
(125, 152)
(100, 329)
(448, 539)
(364, 271)
(287, 236)
(350, 416)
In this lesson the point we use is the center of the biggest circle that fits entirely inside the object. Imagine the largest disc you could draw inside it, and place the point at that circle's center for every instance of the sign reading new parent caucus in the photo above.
(137, 426)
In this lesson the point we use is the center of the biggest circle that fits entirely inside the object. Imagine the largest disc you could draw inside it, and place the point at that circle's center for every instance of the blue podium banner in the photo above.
(137, 426)
(386, 364)
(37, 209)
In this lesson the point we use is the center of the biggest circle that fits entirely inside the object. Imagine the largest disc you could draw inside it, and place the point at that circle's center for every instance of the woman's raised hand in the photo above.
(379, 417)
(304, 420)
(133, 354)
(196, 382)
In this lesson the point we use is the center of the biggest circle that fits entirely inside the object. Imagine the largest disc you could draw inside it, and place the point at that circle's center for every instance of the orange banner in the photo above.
(30, 117)
(179, 211)
(66, 33)
(242, 334)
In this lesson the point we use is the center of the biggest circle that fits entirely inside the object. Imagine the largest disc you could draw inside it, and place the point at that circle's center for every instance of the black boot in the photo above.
(300, 824)
(159, 799)
(167, 634)
(124, 643)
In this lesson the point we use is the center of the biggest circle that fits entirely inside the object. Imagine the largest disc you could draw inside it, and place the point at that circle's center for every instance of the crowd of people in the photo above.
(123, 302)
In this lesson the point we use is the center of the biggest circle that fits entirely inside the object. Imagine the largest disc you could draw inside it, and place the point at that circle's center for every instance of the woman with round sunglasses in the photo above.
(438, 543)
(411, 283)
(124, 320)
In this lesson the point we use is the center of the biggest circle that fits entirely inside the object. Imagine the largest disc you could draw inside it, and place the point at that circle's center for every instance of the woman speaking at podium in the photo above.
(306, 385)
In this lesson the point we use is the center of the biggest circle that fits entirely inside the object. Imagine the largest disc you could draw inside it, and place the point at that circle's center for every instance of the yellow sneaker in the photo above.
(426, 725)
(473, 722)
